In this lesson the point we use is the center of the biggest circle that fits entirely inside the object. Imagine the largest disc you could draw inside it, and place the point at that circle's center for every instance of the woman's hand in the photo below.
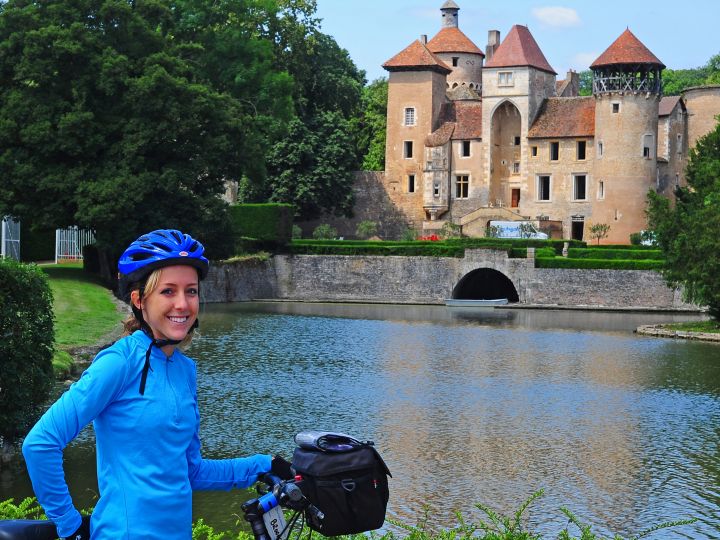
(281, 468)
(83, 533)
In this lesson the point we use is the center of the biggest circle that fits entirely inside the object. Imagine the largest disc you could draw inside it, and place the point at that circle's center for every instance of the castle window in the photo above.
(579, 187)
(465, 151)
(408, 149)
(516, 140)
(581, 150)
(505, 78)
(554, 151)
(533, 151)
(679, 143)
(411, 183)
(600, 149)
(677, 180)
(647, 146)
(436, 188)
(410, 116)
(601, 190)
(615, 108)
(543, 188)
(462, 183)
(516, 167)
(455, 61)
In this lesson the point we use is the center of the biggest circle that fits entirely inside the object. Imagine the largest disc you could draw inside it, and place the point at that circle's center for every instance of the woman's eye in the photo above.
(192, 291)
(166, 291)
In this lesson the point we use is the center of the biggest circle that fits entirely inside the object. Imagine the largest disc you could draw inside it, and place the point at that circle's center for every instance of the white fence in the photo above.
(69, 243)
(10, 241)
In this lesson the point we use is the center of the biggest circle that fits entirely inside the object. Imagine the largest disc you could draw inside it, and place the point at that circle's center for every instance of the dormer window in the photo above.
(455, 61)
(505, 78)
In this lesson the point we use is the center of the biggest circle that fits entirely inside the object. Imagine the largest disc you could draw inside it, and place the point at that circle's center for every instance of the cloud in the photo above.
(557, 16)
(582, 61)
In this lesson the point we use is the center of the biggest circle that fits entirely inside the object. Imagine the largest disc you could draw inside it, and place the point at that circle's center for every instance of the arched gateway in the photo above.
(485, 284)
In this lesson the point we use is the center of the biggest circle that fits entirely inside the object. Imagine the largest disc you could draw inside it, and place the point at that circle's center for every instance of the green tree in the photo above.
(688, 232)
(598, 231)
(586, 80)
(116, 116)
(373, 124)
(312, 168)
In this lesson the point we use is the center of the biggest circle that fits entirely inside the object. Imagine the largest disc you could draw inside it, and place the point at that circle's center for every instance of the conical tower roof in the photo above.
(452, 40)
(627, 49)
(416, 57)
(519, 48)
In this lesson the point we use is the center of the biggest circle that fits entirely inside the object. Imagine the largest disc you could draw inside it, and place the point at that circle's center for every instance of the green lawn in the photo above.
(84, 312)
(705, 327)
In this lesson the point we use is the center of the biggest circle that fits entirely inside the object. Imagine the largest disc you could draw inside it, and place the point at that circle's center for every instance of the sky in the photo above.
(571, 34)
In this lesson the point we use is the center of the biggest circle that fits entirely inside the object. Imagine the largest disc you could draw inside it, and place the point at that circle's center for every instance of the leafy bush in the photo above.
(296, 232)
(451, 230)
(269, 223)
(598, 264)
(624, 254)
(409, 234)
(324, 232)
(26, 347)
(366, 229)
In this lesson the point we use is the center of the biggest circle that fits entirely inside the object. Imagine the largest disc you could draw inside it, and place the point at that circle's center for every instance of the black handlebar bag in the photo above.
(346, 479)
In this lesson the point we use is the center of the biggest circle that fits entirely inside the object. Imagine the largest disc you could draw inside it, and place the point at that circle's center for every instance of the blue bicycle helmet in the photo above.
(158, 249)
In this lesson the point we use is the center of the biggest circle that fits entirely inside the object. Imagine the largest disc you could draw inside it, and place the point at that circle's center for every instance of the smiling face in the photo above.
(171, 308)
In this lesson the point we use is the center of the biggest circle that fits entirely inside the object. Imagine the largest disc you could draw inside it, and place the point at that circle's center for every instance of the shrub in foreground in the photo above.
(492, 526)
(26, 346)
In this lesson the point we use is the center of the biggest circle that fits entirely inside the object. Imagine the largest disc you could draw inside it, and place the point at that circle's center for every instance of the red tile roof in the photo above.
(416, 57)
(441, 135)
(627, 49)
(468, 117)
(461, 120)
(565, 117)
(519, 48)
(452, 40)
(667, 104)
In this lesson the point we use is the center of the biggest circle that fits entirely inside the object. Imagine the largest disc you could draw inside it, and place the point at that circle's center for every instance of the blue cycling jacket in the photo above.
(148, 448)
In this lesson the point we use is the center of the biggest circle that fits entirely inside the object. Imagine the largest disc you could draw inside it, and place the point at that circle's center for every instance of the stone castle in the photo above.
(476, 136)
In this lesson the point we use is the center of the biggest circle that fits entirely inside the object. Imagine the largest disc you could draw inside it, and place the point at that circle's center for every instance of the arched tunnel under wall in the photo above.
(485, 284)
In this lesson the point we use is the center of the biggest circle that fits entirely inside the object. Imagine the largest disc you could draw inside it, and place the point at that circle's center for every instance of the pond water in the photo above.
(466, 407)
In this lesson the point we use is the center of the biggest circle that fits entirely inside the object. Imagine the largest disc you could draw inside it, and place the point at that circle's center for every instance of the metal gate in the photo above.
(10, 242)
(69, 243)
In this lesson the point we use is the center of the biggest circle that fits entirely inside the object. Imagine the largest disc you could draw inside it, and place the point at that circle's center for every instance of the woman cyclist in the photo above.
(140, 394)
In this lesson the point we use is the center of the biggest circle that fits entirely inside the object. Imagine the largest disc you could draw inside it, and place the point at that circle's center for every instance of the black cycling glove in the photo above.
(281, 468)
(83, 533)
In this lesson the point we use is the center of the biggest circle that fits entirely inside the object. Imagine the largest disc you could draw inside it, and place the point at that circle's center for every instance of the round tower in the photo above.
(627, 85)
(457, 50)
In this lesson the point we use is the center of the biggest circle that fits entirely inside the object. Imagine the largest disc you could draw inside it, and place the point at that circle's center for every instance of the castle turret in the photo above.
(627, 85)
(457, 51)
(416, 93)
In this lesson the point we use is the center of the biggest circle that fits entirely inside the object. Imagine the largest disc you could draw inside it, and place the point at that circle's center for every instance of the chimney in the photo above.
(423, 39)
(492, 45)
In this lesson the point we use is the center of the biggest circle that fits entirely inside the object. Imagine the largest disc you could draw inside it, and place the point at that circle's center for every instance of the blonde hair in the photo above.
(146, 288)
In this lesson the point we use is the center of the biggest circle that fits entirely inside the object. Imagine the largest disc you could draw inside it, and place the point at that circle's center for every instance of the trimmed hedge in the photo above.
(26, 347)
(623, 246)
(430, 249)
(267, 224)
(598, 264)
(619, 254)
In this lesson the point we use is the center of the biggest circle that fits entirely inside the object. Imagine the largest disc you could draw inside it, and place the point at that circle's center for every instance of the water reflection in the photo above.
(471, 406)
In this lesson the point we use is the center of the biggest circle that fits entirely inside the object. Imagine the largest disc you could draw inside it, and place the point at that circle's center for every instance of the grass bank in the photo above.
(84, 312)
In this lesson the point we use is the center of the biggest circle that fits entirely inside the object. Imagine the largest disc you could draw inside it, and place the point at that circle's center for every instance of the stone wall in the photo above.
(430, 280)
